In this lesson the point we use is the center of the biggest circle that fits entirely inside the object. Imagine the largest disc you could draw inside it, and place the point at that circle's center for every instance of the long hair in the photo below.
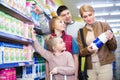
(85, 8)
(52, 23)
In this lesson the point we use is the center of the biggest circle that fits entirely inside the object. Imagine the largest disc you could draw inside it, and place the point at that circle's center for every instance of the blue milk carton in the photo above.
(99, 41)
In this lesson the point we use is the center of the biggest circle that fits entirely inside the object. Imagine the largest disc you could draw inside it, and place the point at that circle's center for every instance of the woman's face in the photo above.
(88, 17)
(60, 25)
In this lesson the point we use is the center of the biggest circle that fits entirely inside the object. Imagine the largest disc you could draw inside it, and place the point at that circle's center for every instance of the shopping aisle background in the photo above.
(117, 53)
(105, 10)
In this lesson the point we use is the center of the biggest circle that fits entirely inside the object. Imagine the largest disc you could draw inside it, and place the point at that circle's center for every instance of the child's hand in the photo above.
(54, 71)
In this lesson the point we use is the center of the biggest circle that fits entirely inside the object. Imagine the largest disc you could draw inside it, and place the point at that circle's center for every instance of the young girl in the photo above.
(57, 28)
(60, 61)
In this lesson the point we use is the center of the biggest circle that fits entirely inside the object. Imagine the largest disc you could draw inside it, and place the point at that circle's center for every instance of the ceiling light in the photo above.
(79, 15)
(102, 5)
(115, 29)
(102, 20)
(78, 7)
(117, 4)
(116, 20)
(115, 13)
(115, 25)
(101, 14)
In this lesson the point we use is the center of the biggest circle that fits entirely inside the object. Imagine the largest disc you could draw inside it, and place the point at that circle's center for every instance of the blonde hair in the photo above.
(53, 22)
(85, 8)
(50, 41)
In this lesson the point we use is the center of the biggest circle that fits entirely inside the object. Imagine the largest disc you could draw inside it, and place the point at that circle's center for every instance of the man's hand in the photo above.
(37, 9)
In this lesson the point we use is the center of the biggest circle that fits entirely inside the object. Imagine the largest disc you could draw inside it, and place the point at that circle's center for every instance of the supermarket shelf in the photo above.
(6, 37)
(13, 12)
(46, 15)
(40, 31)
(41, 77)
(6, 65)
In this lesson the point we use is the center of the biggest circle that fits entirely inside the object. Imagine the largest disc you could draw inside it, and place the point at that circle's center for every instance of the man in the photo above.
(71, 29)
(72, 26)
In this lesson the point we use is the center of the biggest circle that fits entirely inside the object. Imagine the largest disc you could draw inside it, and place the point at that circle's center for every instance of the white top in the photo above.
(72, 29)
(89, 39)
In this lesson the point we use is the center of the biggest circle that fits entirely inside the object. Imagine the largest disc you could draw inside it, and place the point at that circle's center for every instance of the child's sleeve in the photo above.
(43, 52)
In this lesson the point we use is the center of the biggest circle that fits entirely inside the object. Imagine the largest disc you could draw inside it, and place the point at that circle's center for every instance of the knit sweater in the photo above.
(64, 63)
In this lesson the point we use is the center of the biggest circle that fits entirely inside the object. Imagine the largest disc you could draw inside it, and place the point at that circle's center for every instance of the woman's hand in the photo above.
(109, 34)
(91, 49)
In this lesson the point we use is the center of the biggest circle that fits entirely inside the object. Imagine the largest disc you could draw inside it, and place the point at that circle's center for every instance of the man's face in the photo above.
(66, 16)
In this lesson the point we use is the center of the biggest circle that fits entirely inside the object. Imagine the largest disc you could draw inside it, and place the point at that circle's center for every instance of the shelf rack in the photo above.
(13, 12)
(16, 64)
(6, 37)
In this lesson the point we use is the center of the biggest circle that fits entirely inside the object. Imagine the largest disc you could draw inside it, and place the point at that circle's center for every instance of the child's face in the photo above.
(60, 25)
(60, 45)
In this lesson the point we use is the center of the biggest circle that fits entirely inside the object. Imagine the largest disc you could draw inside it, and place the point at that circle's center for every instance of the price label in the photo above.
(30, 63)
(21, 64)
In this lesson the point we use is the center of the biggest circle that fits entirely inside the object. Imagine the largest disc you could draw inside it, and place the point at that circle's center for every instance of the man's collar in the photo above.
(70, 23)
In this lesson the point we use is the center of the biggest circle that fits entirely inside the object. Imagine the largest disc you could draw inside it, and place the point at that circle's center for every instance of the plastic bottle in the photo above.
(5, 74)
(28, 9)
(99, 41)
(13, 70)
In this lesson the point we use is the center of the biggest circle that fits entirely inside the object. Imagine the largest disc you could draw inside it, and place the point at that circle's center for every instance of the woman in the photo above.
(99, 63)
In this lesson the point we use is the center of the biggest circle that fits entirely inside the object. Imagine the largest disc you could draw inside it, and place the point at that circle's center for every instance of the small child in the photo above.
(61, 62)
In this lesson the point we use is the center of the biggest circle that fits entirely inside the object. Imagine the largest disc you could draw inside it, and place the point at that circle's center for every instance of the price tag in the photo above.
(30, 63)
(21, 64)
